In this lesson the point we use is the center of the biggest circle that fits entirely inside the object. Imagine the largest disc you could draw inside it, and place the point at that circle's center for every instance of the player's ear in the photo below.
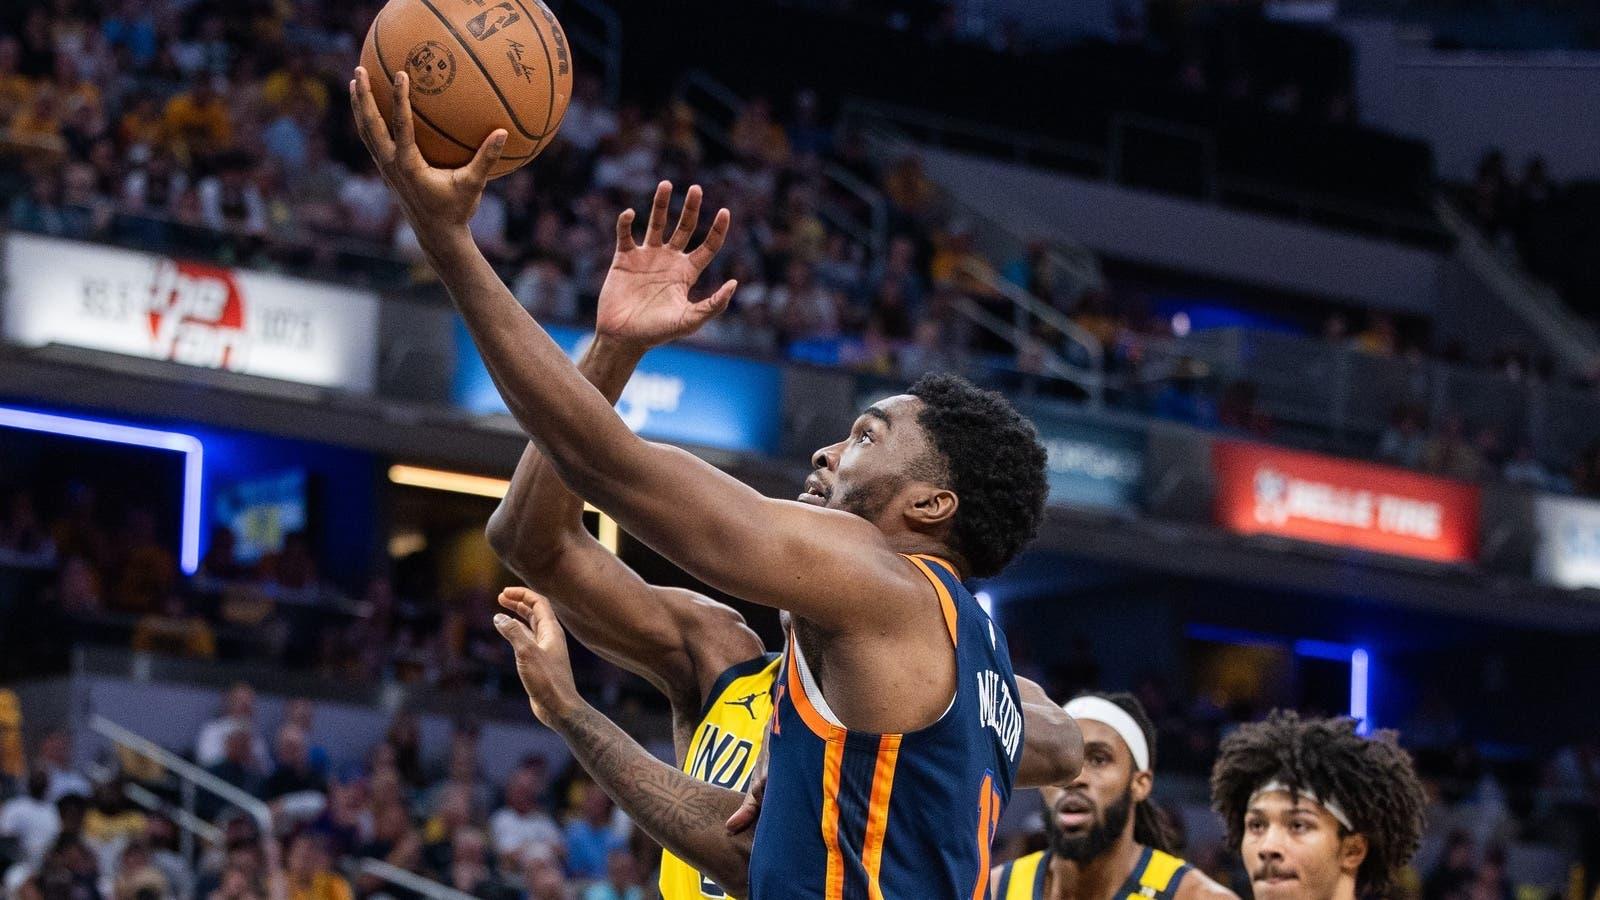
(931, 507)
(1143, 783)
(1352, 853)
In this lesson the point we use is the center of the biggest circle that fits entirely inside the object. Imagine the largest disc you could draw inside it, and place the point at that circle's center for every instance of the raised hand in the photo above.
(541, 651)
(432, 198)
(645, 301)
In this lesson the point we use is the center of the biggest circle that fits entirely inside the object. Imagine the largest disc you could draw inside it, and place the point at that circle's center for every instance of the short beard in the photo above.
(870, 500)
(1100, 836)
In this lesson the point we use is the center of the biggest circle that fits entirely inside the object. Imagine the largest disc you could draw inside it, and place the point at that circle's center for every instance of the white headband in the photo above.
(1117, 719)
(1332, 807)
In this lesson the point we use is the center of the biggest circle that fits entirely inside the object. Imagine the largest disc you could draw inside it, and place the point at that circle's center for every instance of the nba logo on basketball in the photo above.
(197, 316)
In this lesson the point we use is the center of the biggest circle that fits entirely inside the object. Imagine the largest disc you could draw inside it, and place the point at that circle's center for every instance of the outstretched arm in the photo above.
(682, 814)
(678, 640)
(838, 570)
(1052, 745)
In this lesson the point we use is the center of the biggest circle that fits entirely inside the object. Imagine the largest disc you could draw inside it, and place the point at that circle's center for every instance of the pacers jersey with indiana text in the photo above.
(1155, 876)
(910, 816)
(723, 751)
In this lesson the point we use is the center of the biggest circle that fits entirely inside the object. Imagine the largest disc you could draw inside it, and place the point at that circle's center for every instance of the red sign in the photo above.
(1265, 490)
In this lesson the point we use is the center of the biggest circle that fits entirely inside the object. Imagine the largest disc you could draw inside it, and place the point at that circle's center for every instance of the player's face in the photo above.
(1088, 816)
(1293, 850)
(863, 473)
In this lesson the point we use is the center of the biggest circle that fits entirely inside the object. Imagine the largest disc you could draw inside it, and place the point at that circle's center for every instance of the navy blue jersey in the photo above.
(855, 816)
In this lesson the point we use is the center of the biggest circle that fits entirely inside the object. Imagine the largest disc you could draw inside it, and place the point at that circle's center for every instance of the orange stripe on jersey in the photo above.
(819, 726)
(832, 758)
(988, 819)
(945, 603)
(878, 811)
(943, 564)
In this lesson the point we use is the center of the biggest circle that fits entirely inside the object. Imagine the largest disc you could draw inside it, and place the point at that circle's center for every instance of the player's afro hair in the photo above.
(994, 463)
(1371, 778)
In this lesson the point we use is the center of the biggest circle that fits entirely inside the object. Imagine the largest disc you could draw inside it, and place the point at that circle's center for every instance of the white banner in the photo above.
(1569, 542)
(197, 314)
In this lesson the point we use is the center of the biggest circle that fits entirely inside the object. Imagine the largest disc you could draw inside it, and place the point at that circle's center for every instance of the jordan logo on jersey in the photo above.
(997, 710)
(722, 759)
(747, 702)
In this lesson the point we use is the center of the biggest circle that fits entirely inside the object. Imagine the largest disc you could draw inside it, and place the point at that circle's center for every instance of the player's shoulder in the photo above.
(716, 638)
(1197, 885)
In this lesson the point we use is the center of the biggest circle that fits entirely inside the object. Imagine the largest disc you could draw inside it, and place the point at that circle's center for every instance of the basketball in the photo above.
(475, 65)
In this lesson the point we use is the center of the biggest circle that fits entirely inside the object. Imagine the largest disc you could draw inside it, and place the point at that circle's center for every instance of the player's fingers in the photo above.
(542, 619)
(708, 249)
(400, 121)
(514, 632)
(477, 171)
(369, 123)
(625, 231)
(746, 815)
(712, 306)
(656, 227)
(689, 220)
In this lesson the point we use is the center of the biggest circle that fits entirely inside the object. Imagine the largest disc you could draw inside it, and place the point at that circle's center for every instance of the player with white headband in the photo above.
(1107, 841)
(1316, 811)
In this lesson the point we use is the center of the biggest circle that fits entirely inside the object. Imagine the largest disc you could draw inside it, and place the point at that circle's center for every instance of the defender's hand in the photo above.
(432, 198)
(645, 300)
(541, 651)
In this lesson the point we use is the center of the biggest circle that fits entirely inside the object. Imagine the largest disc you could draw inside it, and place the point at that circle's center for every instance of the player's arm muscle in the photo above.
(828, 566)
(1052, 745)
(681, 814)
(677, 640)
(1197, 885)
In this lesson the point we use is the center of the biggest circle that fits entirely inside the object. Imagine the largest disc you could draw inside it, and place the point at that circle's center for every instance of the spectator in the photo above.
(804, 309)
(229, 202)
(592, 837)
(755, 136)
(196, 122)
(162, 836)
(294, 772)
(221, 561)
(138, 877)
(808, 137)
(238, 767)
(1403, 442)
(21, 532)
(367, 206)
(39, 210)
(469, 869)
(521, 825)
(16, 89)
(55, 757)
(1380, 338)
(154, 184)
(309, 873)
(294, 86)
(1449, 453)
(542, 878)
(68, 873)
(31, 819)
(621, 880)
(588, 121)
(111, 823)
(238, 712)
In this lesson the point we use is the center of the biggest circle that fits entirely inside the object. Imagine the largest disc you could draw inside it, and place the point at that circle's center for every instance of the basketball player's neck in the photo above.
(1093, 879)
(914, 544)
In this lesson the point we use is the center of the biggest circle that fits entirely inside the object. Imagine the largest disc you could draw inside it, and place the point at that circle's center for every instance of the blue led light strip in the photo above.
(95, 430)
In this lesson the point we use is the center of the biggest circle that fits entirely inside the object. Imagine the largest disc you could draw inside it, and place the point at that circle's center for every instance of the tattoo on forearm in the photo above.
(686, 816)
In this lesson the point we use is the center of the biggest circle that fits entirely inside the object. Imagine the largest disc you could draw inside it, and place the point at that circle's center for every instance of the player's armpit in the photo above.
(681, 814)
(1052, 745)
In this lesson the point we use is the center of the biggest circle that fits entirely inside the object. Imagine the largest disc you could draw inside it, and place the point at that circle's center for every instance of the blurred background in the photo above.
(1301, 295)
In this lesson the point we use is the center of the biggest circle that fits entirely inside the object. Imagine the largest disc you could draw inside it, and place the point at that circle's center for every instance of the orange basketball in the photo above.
(474, 65)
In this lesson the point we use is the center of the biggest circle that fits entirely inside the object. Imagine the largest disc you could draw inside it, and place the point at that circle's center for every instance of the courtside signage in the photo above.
(1569, 542)
(196, 314)
(1100, 466)
(1265, 490)
(679, 395)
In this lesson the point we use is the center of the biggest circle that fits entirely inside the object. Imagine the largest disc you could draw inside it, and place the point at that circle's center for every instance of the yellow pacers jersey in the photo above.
(723, 751)
(1155, 876)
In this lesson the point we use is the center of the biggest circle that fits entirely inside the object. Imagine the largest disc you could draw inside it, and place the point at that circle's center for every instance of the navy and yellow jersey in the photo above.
(1155, 877)
(855, 816)
(723, 751)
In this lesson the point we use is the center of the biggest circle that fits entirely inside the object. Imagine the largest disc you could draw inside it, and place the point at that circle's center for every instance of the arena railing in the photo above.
(192, 778)
(719, 106)
(1089, 376)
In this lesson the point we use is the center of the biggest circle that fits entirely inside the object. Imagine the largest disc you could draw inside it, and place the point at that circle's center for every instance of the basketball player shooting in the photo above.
(897, 703)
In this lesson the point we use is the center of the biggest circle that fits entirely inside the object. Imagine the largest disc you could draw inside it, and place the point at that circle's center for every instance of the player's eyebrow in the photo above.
(877, 412)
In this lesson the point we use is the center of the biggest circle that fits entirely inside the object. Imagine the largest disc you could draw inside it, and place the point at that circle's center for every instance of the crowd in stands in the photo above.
(543, 831)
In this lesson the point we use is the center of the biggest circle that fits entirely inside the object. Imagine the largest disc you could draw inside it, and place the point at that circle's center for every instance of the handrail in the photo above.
(184, 769)
(393, 874)
(607, 46)
(875, 235)
(1017, 337)
(1572, 338)
(183, 818)
(1094, 380)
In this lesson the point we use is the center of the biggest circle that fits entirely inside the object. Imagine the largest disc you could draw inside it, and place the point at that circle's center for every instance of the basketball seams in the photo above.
(493, 85)
(549, 64)
(377, 51)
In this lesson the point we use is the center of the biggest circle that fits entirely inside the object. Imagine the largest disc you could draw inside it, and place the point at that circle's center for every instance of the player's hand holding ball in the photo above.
(530, 626)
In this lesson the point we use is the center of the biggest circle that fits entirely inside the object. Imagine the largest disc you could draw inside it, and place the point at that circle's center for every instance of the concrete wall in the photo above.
(1525, 104)
(1192, 236)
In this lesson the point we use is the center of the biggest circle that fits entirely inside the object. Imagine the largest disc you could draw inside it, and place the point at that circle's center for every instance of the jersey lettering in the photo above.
(722, 758)
(997, 710)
